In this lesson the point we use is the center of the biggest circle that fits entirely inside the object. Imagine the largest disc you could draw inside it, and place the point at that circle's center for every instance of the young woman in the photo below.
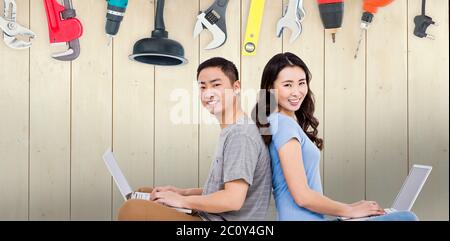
(290, 129)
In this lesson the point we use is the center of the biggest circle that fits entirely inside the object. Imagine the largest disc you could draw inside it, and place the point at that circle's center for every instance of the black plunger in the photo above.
(159, 50)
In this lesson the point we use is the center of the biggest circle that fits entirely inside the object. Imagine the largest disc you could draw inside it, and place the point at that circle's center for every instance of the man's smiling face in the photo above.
(216, 90)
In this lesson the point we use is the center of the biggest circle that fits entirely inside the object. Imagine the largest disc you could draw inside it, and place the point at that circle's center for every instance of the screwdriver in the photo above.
(116, 11)
(370, 9)
(332, 14)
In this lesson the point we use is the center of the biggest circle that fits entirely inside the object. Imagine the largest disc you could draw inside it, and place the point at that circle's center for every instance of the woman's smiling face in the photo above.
(291, 88)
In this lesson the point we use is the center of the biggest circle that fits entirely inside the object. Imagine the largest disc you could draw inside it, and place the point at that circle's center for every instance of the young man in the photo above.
(239, 182)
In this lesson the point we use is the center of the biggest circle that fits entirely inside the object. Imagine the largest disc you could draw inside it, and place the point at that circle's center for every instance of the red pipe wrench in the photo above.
(63, 27)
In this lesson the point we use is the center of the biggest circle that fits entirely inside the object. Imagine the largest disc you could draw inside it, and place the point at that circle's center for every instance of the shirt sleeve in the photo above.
(240, 158)
(286, 131)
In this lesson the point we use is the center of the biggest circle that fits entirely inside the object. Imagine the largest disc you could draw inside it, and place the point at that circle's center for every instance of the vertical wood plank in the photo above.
(345, 111)
(49, 126)
(14, 127)
(386, 114)
(310, 48)
(91, 117)
(176, 136)
(428, 108)
(133, 102)
(252, 66)
(209, 127)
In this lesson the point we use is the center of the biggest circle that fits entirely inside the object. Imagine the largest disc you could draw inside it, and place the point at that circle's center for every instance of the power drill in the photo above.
(332, 14)
(370, 8)
(116, 11)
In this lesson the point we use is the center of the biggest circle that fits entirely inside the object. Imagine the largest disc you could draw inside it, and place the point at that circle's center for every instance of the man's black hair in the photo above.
(227, 67)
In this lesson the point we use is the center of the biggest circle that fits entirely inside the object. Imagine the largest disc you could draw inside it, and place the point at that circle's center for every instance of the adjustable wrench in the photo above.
(213, 19)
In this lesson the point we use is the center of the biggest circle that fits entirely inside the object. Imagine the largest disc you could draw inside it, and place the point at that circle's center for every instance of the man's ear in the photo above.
(237, 87)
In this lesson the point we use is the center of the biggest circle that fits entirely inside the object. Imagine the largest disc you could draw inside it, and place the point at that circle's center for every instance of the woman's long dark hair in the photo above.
(267, 103)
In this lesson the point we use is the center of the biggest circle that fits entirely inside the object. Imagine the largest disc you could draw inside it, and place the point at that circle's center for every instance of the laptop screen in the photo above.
(411, 188)
(117, 174)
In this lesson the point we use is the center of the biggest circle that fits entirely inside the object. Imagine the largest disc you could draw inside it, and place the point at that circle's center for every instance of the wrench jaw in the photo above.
(294, 26)
(301, 12)
(219, 37)
(296, 33)
(199, 27)
(72, 52)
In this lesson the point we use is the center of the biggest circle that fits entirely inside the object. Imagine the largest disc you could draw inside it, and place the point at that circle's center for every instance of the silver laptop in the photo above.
(408, 193)
(122, 183)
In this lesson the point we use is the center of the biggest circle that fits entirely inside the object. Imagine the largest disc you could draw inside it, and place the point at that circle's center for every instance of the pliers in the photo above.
(11, 28)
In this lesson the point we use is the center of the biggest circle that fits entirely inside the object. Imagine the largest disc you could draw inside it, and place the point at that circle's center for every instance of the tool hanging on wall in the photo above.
(159, 50)
(11, 29)
(63, 27)
(253, 27)
(422, 22)
(214, 20)
(370, 7)
(332, 15)
(114, 16)
(292, 19)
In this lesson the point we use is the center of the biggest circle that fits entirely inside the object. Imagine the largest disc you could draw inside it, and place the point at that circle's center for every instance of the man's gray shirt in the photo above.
(241, 154)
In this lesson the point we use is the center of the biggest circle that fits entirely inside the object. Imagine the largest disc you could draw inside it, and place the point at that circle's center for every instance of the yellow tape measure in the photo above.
(253, 27)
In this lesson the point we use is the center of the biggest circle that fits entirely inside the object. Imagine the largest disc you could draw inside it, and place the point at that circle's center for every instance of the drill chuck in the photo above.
(114, 17)
(332, 14)
(366, 20)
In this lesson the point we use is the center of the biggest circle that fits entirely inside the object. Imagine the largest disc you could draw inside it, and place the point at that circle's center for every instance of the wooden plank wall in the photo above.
(379, 114)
